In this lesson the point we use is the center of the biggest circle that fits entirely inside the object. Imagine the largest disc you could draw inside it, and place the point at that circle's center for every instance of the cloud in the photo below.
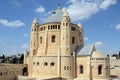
(16, 23)
(25, 46)
(98, 44)
(117, 27)
(85, 38)
(25, 35)
(80, 9)
(40, 9)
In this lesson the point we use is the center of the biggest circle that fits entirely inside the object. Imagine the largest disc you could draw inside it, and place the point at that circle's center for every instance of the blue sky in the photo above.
(100, 20)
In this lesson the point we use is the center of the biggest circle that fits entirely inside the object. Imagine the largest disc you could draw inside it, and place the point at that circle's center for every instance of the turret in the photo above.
(67, 68)
(81, 36)
(34, 37)
(65, 34)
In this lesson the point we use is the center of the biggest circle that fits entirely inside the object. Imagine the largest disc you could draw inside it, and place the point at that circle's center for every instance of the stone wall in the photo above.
(11, 71)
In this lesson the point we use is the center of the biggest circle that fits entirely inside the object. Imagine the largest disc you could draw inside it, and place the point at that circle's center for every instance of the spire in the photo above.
(58, 5)
(79, 25)
(65, 13)
(35, 20)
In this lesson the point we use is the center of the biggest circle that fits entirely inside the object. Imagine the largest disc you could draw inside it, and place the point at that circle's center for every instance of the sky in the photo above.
(100, 20)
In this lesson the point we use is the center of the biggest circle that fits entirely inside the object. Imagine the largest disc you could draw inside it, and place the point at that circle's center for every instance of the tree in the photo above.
(21, 58)
(119, 53)
(108, 55)
(3, 57)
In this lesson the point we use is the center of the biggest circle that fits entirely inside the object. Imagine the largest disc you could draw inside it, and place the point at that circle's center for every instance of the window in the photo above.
(33, 52)
(81, 69)
(1, 73)
(40, 39)
(67, 67)
(58, 26)
(53, 39)
(48, 27)
(52, 64)
(33, 63)
(64, 67)
(66, 24)
(73, 40)
(99, 69)
(37, 63)
(107, 70)
(45, 64)
(35, 29)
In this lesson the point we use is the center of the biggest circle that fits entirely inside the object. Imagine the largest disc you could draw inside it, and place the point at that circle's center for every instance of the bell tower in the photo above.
(34, 37)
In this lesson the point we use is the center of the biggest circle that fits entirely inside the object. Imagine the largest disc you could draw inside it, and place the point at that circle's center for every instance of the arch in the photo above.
(73, 40)
(45, 64)
(58, 26)
(64, 67)
(107, 70)
(35, 29)
(99, 69)
(53, 39)
(40, 40)
(33, 52)
(52, 64)
(37, 63)
(25, 71)
(81, 69)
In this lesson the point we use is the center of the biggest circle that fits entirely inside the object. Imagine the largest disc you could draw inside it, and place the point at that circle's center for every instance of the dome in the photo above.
(96, 54)
(55, 16)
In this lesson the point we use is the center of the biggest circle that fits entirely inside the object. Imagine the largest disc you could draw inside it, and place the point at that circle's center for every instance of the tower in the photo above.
(81, 35)
(34, 37)
(67, 66)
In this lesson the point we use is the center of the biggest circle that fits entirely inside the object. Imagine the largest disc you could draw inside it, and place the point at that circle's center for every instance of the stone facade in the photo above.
(11, 71)
(57, 51)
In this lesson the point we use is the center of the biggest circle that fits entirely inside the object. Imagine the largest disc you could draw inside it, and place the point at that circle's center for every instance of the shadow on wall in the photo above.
(58, 78)
(114, 76)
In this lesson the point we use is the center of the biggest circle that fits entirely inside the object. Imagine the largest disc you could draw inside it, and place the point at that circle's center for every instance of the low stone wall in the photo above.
(11, 71)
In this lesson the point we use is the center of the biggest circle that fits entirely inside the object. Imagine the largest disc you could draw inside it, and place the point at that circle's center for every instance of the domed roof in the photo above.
(96, 54)
(55, 16)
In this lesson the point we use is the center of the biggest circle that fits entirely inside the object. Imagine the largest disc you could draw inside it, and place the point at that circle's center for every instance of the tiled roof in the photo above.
(84, 50)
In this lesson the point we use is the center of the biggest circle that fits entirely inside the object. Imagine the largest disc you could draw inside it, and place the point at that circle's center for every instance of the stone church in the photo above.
(57, 51)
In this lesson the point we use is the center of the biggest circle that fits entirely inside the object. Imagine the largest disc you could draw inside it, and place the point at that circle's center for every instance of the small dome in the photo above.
(96, 54)
(35, 20)
(65, 13)
(79, 25)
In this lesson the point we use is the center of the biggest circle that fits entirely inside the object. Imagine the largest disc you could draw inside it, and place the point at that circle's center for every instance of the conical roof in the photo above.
(55, 16)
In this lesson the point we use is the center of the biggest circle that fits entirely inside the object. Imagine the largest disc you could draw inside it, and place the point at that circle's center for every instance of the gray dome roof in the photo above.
(55, 16)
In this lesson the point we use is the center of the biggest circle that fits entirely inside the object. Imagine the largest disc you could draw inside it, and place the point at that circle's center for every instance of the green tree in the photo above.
(3, 57)
(21, 58)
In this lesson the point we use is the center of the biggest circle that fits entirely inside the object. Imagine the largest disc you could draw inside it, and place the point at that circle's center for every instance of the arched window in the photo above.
(40, 39)
(33, 52)
(45, 64)
(37, 63)
(99, 69)
(73, 40)
(53, 39)
(35, 29)
(64, 67)
(81, 69)
(107, 70)
(52, 64)
(58, 26)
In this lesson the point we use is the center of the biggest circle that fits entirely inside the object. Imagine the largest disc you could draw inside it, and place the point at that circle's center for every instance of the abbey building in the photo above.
(57, 52)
